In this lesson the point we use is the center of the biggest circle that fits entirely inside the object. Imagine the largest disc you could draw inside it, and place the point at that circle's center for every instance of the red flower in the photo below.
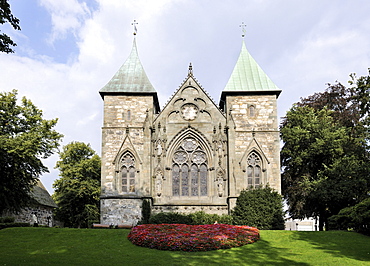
(192, 237)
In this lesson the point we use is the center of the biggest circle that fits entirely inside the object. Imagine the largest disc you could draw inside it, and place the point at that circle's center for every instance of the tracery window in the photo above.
(254, 170)
(128, 172)
(189, 170)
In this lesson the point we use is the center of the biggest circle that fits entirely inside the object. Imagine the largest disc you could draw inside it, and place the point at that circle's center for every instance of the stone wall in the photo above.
(44, 215)
(121, 211)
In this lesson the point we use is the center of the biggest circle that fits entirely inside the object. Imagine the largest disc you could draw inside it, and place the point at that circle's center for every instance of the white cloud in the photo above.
(66, 16)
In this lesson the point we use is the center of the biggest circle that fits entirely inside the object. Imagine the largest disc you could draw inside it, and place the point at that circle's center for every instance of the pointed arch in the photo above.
(254, 170)
(127, 174)
(189, 156)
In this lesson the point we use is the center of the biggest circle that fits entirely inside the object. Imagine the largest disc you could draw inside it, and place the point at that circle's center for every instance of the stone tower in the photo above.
(193, 155)
(249, 100)
(130, 101)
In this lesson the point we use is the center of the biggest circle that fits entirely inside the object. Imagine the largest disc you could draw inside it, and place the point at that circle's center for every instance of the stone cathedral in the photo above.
(193, 155)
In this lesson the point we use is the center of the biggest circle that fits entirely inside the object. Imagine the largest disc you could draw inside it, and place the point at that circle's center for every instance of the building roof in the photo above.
(248, 76)
(42, 196)
(130, 78)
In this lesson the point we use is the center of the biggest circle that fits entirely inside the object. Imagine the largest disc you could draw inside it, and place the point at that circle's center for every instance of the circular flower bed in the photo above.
(192, 237)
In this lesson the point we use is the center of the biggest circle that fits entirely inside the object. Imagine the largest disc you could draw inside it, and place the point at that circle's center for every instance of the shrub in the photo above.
(7, 225)
(145, 212)
(7, 219)
(356, 217)
(170, 218)
(204, 218)
(196, 218)
(261, 208)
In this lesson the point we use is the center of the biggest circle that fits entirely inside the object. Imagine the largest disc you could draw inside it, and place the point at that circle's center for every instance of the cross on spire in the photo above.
(243, 29)
(134, 24)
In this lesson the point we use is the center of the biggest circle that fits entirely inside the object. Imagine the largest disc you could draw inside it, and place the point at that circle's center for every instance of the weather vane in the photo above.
(134, 24)
(243, 29)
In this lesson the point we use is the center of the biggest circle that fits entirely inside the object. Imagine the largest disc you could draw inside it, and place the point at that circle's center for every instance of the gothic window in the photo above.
(128, 172)
(254, 170)
(252, 111)
(189, 170)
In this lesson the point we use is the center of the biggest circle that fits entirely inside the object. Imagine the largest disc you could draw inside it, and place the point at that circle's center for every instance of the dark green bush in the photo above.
(145, 211)
(7, 219)
(170, 218)
(261, 208)
(204, 218)
(356, 217)
(196, 218)
(7, 225)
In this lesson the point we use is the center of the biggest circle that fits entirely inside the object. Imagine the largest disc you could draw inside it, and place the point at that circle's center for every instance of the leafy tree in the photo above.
(7, 16)
(77, 192)
(325, 157)
(25, 139)
(259, 207)
(356, 217)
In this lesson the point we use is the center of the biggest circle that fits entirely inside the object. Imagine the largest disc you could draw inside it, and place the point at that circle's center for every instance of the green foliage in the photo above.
(356, 217)
(7, 16)
(170, 218)
(204, 218)
(7, 219)
(325, 157)
(25, 139)
(145, 212)
(261, 208)
(77, 192)
(13, 224)
(196, 218)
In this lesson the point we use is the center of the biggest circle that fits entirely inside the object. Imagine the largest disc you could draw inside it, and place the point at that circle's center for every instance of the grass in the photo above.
(53, 246)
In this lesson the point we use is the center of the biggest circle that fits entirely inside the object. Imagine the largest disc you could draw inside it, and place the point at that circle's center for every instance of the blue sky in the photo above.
(69, 49)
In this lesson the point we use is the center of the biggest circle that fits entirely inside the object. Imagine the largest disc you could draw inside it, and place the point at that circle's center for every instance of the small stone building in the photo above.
(41, 208)
(194, 154)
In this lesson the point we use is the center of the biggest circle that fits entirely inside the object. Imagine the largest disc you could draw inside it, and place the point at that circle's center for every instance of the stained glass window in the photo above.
(192, 179)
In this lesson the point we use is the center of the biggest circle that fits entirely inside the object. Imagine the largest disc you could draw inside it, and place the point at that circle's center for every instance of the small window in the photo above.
(252, 111)
(128, 115)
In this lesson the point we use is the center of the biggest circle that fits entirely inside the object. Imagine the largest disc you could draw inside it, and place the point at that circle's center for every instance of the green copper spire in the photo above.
(130, 78)
(248, 75)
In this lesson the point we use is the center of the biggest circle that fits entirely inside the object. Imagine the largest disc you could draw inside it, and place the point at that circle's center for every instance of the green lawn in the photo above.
(53, 246)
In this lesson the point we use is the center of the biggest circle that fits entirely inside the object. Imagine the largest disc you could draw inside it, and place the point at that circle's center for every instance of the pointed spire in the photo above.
(248, 75)
(130, 78)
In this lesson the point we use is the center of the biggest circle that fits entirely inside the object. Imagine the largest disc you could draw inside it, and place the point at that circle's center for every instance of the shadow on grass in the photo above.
(258, 253)
(334, 243)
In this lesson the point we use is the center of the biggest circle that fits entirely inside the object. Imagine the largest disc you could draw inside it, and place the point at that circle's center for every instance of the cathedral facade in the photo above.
(193, 155)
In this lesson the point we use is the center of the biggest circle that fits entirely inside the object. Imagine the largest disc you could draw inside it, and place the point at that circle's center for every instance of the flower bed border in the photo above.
(182, 237)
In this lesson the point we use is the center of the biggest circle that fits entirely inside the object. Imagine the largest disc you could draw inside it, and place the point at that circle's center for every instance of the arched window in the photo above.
(128, 172)
(254, 170)
(189, 170)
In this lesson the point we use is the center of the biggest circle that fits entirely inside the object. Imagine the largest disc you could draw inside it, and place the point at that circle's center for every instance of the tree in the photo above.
(77, 192)
(259, 207)
(325, 157)
(25, 139)
(7, 16)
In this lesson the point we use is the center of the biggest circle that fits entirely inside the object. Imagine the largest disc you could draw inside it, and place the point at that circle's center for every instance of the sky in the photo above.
(68, 50)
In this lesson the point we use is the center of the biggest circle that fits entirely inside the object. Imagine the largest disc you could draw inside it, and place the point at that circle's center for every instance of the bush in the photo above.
(170, 218)
(356, 217)
(261, 208)
(7, 219)
(7, 225)
(197, 218)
